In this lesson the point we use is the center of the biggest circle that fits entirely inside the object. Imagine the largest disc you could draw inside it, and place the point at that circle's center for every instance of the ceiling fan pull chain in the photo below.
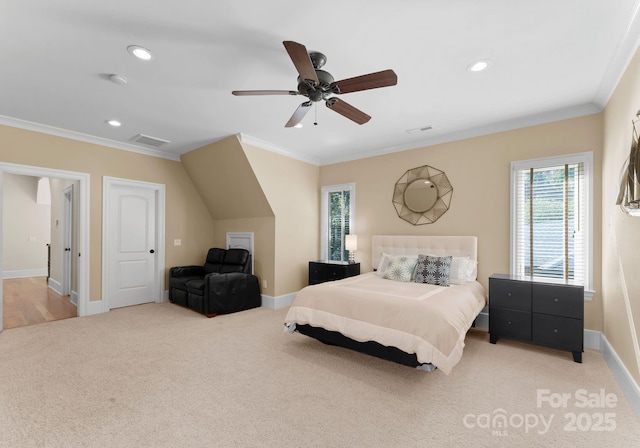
(315, 106)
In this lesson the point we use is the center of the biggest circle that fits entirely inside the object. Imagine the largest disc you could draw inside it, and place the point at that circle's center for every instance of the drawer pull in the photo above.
(555, 330)
(555, 299)
(508, 294)
(509, 322)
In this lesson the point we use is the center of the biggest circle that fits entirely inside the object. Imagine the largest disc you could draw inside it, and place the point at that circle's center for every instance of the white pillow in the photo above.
(463, 270)
(382, 265)
(400, 267)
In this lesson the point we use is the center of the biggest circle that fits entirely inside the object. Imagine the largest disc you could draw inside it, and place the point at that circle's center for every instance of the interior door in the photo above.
(67, 240)
(132, 241)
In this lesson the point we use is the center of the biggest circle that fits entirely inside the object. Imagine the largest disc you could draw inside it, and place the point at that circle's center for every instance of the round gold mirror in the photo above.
(420, 195)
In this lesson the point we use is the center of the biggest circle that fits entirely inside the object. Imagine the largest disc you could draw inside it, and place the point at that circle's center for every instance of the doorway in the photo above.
(81, 252)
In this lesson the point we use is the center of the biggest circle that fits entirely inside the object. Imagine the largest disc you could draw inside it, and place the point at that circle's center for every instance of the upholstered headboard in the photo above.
(458, 246)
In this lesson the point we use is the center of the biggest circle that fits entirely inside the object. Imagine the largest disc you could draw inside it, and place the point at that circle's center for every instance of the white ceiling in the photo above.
(552, 59)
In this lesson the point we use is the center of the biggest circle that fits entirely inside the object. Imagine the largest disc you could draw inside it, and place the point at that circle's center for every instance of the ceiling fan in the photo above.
(318, 85)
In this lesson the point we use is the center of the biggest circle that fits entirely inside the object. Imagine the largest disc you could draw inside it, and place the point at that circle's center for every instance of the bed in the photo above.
(419, 322)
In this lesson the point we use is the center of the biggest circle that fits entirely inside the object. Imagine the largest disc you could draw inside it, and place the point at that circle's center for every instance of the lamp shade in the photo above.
(351, 242)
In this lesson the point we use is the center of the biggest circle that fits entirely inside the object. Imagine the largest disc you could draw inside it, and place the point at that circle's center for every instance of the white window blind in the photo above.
(338, 204)
(551, 218)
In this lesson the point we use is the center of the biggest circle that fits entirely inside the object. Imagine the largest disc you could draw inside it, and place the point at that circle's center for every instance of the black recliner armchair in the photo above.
(223, 285)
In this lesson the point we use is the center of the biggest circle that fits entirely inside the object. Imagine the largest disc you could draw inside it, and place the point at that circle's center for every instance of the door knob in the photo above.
(151, 251)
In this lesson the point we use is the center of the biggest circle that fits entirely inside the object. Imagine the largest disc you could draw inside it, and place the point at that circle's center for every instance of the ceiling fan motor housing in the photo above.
(319, 92)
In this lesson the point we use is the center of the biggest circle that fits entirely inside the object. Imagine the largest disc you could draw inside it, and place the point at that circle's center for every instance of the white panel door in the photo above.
(132, 249)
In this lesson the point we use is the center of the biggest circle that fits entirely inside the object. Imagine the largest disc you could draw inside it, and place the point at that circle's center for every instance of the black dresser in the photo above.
(549, 313)
(326, 271)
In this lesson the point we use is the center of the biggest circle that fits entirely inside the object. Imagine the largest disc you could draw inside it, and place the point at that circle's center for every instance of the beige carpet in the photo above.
(159, 375)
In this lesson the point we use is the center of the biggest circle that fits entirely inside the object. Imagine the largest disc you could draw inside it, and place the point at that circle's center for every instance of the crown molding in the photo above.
(78, 136)
(622, 57)
(244, 138)
(493, 128)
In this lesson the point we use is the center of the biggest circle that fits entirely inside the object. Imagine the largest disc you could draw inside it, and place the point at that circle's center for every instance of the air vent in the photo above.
(149, 141)
(424, 128)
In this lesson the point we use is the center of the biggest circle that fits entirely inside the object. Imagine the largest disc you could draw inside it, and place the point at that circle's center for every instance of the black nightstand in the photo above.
(549, 313)
(327, 271)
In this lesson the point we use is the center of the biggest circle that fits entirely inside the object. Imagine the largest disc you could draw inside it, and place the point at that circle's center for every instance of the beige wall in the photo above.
(479, 170)
(226, 181)
(249, 189)
(26, 225)
(187, 218)
(291, 187)
(235, 199)
(621, 234)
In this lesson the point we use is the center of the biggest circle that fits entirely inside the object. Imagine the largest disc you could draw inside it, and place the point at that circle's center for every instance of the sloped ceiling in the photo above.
(227, 184)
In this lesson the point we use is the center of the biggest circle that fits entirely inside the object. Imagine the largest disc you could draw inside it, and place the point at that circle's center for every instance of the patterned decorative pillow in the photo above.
(400, 268)
(433, 270)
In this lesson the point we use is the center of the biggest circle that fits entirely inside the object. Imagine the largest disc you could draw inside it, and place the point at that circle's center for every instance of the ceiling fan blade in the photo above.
(299, 114)
(263, 92)
(300, 57)
(376, 80)
(347, 110)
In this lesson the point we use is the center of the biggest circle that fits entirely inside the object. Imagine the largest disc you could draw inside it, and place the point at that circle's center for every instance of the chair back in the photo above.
(214, 261)
(236, 260)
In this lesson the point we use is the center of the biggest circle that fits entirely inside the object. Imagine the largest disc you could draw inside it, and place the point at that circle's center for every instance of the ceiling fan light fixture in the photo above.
(140, 52)
(299, 125)
(479, 66)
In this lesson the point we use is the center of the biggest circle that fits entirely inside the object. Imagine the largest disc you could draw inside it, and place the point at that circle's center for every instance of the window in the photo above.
(551, 219)
(338, 205)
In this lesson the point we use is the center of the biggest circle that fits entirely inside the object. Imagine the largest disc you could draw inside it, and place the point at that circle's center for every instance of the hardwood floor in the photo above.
(29, 301)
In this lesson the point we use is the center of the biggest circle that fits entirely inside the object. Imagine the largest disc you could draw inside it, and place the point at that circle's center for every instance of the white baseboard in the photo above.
(593, 340)
(25, 273)
(95, 307)
(276, 303)
(597, 341)
(628, 385)
(56, 286)
(73, 298)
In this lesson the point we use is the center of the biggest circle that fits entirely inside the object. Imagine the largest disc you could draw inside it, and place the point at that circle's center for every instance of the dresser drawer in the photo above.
(558, 332)
(567, 301)
(510, 294)
(509, 323)
(320, 272)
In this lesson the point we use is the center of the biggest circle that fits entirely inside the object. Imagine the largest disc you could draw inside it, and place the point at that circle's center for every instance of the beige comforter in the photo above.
(430, 321)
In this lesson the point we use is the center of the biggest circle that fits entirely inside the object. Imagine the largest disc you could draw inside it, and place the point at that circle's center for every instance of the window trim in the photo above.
(586, 158)
(324, 217)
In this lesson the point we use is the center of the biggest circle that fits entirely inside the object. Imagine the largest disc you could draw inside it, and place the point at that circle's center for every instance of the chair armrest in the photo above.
(186, 271)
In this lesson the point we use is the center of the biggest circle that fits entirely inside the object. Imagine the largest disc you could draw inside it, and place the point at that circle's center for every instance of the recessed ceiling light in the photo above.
(140, 52)
(114, 123)
(478, 66)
